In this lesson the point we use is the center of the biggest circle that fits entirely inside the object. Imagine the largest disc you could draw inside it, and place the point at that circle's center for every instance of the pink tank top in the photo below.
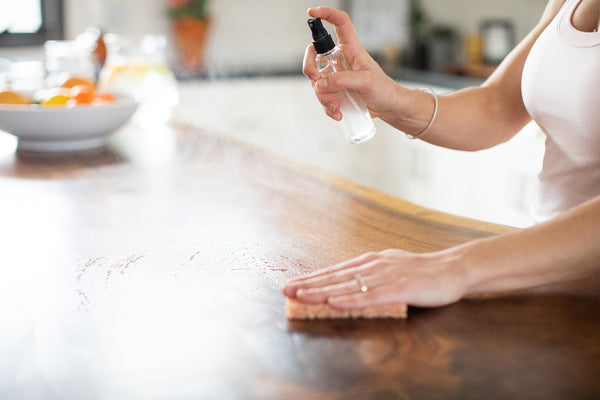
(561, 91)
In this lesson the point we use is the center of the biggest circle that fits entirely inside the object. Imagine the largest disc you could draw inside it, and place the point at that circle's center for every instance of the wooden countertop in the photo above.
(153, 268)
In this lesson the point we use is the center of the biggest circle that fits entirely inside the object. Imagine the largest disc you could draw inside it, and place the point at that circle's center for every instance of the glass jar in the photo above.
(25, 77)
(66, 58)
(140, 69)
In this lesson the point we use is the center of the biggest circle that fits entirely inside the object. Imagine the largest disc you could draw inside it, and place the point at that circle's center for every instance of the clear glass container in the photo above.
(139, 69)
(66, 58)
(357, 124)
(24, 77)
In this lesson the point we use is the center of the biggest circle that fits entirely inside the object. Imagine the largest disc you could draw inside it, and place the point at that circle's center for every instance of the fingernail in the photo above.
(335, 117)
(289, 291)
(303, 294)
(321, 84)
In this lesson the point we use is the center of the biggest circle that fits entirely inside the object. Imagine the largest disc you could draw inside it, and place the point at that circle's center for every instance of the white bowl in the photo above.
(65, 129)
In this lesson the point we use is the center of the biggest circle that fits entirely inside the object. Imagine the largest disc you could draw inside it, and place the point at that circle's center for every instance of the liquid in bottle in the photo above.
(356, 122)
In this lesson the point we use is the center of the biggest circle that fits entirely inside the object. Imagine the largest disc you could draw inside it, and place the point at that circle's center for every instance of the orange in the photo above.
(103, 98)
(55, 97)
(58, 100)
(82, 94)
(10, 97)
(76, 80)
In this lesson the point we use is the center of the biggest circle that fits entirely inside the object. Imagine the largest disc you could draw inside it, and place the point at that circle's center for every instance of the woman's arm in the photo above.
(468, 119)
(562, 249)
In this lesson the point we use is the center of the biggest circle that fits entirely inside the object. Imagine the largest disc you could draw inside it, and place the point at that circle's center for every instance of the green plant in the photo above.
(188, 8)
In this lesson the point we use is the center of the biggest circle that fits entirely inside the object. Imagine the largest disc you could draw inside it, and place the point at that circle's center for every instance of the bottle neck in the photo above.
(324, 45)
(330, 53)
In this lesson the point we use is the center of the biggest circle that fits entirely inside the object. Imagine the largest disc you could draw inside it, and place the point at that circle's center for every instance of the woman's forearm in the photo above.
(564, 248)
(467, 119)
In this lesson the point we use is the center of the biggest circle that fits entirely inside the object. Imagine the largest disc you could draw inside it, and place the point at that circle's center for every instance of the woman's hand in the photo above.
(427, 280)
(379, 91)
(564, 248)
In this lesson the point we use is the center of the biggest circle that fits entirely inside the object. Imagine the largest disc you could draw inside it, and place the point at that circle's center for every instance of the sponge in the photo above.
(295, 309)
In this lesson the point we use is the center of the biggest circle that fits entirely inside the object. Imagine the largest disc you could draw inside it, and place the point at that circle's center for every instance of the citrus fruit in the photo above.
(78, 81)
(10, 97)
(55, 97)
(82, 94)
(103, 98)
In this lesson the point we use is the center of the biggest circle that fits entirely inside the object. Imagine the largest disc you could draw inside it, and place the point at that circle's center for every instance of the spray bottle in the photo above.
(356, 122)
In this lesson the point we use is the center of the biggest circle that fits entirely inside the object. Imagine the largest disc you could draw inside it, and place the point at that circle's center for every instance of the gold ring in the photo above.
(361, 283)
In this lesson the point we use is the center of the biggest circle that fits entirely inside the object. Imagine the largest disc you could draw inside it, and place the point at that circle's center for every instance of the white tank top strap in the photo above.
(570, 34)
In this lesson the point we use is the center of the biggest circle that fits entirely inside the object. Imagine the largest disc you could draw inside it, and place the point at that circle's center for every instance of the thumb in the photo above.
(339, 19)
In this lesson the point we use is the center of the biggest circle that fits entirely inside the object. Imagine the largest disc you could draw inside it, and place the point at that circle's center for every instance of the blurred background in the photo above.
(269, 36)
(234, 68)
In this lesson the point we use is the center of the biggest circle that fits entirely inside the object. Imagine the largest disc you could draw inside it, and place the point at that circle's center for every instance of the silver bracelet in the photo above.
(435, 110)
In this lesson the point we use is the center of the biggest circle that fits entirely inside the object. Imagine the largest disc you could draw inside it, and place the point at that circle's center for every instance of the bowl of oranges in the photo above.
(75, 115)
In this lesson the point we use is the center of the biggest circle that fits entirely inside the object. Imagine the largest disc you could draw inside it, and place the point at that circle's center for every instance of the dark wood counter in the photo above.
(152, 269)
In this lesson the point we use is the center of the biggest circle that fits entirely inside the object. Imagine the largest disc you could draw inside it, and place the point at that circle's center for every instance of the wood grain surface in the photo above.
(152, 269)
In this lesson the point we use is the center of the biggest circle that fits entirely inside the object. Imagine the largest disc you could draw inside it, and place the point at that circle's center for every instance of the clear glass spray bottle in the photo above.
(356, 122)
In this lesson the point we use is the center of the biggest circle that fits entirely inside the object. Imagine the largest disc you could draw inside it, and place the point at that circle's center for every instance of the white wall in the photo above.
(259, 34)
(466, 15)
(248, 34)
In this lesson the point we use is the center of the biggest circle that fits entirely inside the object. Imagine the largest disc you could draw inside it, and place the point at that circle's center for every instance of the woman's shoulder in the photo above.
(552, 8)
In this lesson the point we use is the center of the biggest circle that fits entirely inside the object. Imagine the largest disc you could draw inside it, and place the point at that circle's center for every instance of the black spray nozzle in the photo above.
(322, 40)
(317, 29)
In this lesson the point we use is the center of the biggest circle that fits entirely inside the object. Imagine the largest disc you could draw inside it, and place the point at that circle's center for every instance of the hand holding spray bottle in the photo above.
(356, 122)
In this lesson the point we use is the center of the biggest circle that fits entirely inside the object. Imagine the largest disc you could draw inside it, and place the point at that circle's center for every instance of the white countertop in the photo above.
(281, 115)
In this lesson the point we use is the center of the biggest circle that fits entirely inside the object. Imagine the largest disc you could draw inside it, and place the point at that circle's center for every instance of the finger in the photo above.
(309, 64)
(377, 296)
(331, 275)
(335, 278)
(350, 263)
(330, 103)
(339, 19)
(321, 294)
(350, 286)
(332, 278)
(359, 81)
(332, 109)
(336, 115)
